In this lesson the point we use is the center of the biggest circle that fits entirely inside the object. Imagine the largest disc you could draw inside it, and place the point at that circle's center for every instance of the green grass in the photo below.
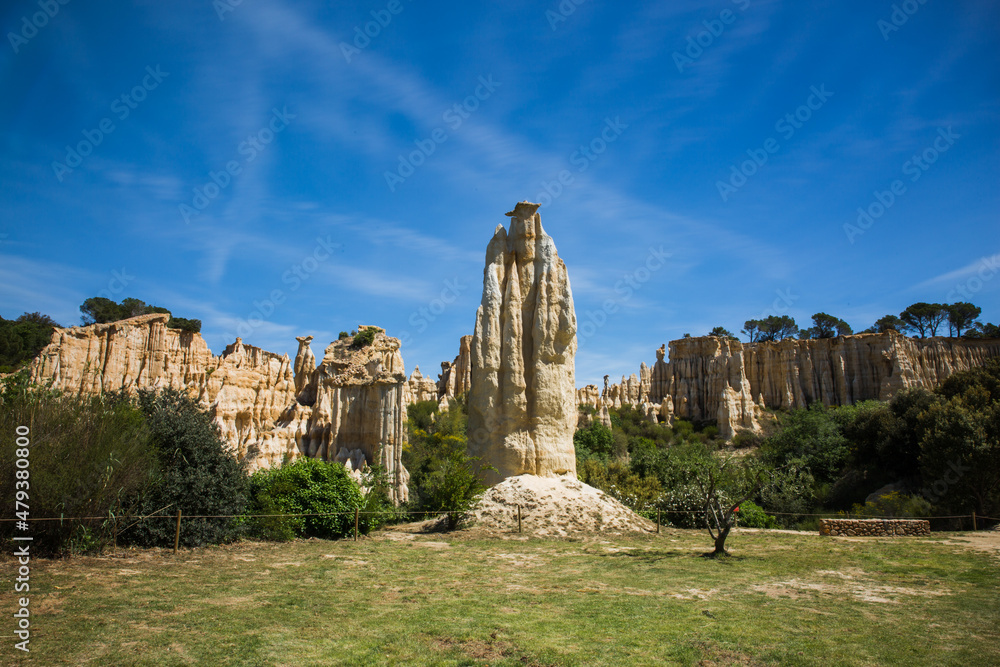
(463, 599)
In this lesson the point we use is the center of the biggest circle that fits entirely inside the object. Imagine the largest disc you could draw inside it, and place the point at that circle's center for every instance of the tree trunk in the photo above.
(720, 542)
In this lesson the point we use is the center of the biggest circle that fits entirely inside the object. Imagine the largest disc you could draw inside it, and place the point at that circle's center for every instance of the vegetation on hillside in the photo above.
(940, 450)
(23, 338)
(101, 310)
(443, 477)
(919, 319)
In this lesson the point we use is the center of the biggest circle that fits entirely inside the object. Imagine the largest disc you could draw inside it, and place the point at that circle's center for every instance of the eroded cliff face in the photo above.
(456, 376)
(722, 379)
(352, 411)
(420, 388)
(350, 408)
(522, 398)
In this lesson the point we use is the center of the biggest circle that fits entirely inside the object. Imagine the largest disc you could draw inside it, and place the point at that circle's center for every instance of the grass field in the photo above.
(463, 598)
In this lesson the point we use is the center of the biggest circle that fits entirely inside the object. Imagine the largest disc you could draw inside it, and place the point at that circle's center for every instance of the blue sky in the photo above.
(699, 163)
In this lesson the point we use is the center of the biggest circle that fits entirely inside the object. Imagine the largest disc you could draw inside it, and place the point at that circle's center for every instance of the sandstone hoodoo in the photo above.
(522, 399)
(350, 408)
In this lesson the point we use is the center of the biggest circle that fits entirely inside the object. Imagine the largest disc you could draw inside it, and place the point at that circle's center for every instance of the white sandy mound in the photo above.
(553, 506)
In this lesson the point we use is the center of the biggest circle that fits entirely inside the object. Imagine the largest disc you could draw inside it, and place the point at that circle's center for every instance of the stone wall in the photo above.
(874, 527)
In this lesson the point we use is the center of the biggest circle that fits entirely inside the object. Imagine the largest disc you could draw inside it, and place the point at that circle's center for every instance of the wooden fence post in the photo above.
(356, 511)
(518, 518)
(973, 520)
(657, 520)
(177, 534)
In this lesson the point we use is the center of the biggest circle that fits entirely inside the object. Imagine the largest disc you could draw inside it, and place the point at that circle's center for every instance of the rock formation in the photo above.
(456, 376)
(266, 408)
(420, 388)
(358, 407)
(522, 399)
(722, 379)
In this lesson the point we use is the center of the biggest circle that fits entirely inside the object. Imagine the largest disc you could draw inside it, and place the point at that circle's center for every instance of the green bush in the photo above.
(594, 441)
(637, 492)
(306, 486)
(22, 339)
(894, 505)
(363, 339)
(184, 324)
(812, 437)
(443, 478)
(89, 456)
(452, 486)
(196, 474)
(751, 515)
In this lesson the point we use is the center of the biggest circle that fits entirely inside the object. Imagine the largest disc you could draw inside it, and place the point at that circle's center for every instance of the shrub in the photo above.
(594, 441)
(306, 486)
(22, 339)
(363, 339)
(196, 474)
(751, 515)
(813, 438)
(89, 456)
(894, 505)
(638, 492)
(452, 486)
(184, 324)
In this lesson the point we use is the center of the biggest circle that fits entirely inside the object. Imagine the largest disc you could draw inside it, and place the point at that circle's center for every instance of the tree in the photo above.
(595, 441)
(721, 332)
(980, 330)
(890, 323)
(724, 486)
(197, 474)
(39, 319)
(961, 316)
(777, 327)
(960, 453)
(99, 310)
(185, 325)
(828, 326)
(751, 329)
(22, 339)
(811, 437)
(924, 317)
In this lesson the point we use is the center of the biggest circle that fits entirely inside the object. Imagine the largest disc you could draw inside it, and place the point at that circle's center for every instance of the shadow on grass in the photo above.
(648, 556)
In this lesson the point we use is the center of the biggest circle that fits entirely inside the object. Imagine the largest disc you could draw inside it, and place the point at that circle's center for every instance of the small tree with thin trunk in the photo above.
(725, 485)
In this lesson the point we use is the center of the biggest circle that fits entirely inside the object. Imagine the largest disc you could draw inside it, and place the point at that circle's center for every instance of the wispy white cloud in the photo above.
(985, 268)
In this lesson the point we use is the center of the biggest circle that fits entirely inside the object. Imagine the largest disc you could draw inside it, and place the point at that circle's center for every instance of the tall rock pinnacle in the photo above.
(522, 401)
